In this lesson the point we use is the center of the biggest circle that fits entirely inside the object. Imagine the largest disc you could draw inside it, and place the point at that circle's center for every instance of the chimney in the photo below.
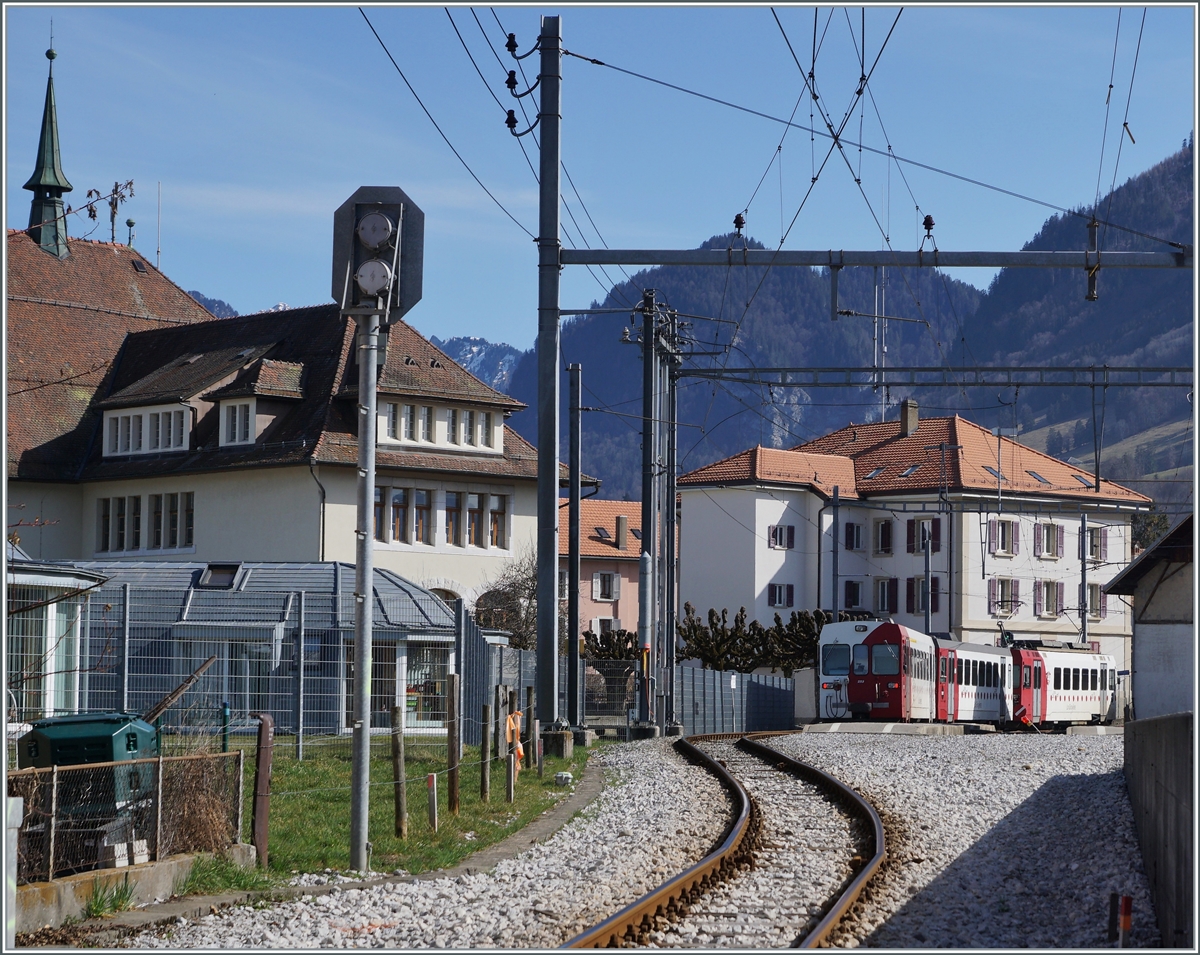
(622, 530)
(908, 417)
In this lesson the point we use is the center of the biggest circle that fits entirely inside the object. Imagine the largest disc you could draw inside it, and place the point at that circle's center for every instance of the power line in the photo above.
(1107, 104)
(1124, 128)
(445, 138)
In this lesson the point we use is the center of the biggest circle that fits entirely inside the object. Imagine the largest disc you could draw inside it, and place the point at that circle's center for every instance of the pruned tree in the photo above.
(510, 603)
(611, 645)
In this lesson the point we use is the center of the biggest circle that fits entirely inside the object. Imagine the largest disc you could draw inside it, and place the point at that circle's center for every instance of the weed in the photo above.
(108, 899)
(210, 876)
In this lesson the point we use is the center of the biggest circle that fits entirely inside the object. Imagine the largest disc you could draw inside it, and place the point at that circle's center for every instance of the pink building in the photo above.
(610, 544)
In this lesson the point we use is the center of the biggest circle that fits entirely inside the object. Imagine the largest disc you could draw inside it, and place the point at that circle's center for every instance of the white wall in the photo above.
(717, 546)
(1163, 660)
(60, 504)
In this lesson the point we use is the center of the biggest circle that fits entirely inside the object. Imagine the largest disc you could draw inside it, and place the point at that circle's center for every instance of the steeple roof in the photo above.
(49, 174)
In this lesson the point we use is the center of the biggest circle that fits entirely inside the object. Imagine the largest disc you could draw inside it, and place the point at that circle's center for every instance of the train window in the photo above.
(1058, 678)
(974, 673)
(942, 669)
(835, 659)
(1075, 678)
(1103, 679)
(1003, 682)
(1037, 676)
(1095, 680)
(1025, 673)
(958, 668)
(885, 659)
(860, 658)
(1112, 680)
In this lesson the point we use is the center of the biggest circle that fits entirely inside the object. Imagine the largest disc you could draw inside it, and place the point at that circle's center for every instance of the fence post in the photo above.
(300, 682)
(537, 743)
(260, 822)
(510, 783)
(400, 790)
(527, 726)
(241, 792)
(431, 786)
(12, 834)
(452, 753)
(498, 728)
(485, 755)
(125, 615)
(226, 713)
(158, 796)
(50, 825)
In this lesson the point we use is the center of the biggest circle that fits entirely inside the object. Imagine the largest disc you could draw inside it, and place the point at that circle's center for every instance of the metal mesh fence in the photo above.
(99, 815)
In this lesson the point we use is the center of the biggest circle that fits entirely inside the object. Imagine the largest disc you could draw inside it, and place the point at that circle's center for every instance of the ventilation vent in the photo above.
(434, 363)
(409, 360)
(219, 576)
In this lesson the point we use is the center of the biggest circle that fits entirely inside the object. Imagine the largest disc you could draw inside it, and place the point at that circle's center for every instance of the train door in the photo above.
(945, 668)
(1038, 689)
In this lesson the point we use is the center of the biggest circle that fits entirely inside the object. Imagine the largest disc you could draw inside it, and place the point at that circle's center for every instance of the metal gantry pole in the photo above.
(575, 465)
(647, 582)
(925, 547)
(670, 555)
(1083, 581)
(549, 250)
(367, 344)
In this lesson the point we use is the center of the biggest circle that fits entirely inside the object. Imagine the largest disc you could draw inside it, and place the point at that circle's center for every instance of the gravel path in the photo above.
(657, 816)
(802, 863)
(997, 841)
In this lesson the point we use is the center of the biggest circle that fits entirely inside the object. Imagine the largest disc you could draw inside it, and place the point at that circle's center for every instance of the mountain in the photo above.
(1026, 317)
(215, 305)
(490, 362)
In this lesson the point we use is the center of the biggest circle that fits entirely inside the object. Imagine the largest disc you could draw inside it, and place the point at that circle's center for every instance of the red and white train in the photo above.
(883, 671)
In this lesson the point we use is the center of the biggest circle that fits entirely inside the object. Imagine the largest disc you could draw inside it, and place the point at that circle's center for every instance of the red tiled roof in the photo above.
(760, 465)
(880, 448)
(266, 377)
(66, 322)
(594, 513)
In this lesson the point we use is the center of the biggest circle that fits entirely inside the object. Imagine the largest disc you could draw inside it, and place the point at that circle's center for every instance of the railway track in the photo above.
(765, 835)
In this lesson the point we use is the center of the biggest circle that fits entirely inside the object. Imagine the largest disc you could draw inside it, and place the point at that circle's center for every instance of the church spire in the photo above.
(47, 221)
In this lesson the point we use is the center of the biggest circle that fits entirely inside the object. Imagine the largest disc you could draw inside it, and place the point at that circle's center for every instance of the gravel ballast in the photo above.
(994, 841)
(657, 816)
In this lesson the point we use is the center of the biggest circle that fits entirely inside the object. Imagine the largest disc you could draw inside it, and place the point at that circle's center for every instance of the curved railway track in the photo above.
(735, 852)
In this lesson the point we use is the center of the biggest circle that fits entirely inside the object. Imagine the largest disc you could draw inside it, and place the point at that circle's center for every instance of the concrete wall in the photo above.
(59, 504)
(1158, 774)
(1163, 661)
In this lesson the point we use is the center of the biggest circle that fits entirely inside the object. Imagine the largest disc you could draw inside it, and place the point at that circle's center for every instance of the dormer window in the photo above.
(452, 425)
(145, 431)
(485, 428)
(469, 427)
(237, 422)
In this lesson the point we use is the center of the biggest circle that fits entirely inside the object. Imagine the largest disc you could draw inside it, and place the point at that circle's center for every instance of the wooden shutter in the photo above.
(847, 595)
(1016, 536)
(1104, 543)
(935, 593)
(616, 623)
(791, 595)
(771, 537)
(910, 602)
(1062, 535)
(595, 625)
(935, 543)
(992, 595)
(991, 537)
(1061, 598)
(1038, 587)
(849, 536)
(893, 594)
(912, 536)
(791, 536)
(616, 587)
(595, 587)
(1103, 605)
(771, 595)
(1037, 539)
(1016, 596)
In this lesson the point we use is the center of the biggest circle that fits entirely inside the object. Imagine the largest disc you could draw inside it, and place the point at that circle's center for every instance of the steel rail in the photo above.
(635, 920)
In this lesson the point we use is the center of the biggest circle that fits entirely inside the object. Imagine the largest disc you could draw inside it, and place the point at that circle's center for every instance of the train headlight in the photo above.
(893, 686)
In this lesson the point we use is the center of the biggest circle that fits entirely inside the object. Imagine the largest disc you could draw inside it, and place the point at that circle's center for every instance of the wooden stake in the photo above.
(510, 785)
(400, 790)
(485, 756)
(537, 742)
(260, 825)
(528, 727)
(431, 785)
(452, 754)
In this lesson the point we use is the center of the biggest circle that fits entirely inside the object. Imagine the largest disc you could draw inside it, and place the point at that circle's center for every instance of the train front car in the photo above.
(892, 675)
(1063, 687)
(837, 644)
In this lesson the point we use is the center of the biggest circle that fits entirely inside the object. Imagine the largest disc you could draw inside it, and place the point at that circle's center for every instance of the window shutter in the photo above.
(893, 594)
(910, 595)
(1037, 539)
(849, 536)
(1082, 545)
(1016, 536)
(616, 623)
(991, 537)
(1104, 543)
(1038, 587)
(791, 536)
(616, 586)
(1103, 605)
(992, 595)
(936, 530)
(770, 595)
(1061, 598)
(595, 625)
(848, 595)
(791, 595)
(770, 536)
(596, 588)
(1016, 596)
(912, 536)
(935, 593)
(1062, 533)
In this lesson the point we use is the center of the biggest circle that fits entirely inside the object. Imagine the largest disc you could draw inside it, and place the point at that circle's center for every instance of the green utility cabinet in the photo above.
(87, 738)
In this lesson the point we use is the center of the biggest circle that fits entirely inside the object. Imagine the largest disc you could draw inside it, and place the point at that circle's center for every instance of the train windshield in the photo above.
(835, 659)
(885, 659)
(860, 658)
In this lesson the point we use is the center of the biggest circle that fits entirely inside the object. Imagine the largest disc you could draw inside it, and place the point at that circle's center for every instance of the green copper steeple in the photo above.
(47, 221)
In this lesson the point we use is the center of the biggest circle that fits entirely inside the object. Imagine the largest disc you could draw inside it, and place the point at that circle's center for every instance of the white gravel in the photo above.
(802, 862)
(657, 816)
(994, 841)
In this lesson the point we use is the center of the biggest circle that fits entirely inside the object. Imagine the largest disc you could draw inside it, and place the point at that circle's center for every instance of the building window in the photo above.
(1048, 540)
(172, 520)
(124, 434)
(1048, 598)
(887, 595)
(781, 595)
(189, 518)
(399, 515)
(427, 423)
(562, 585)
(920, 528)
(377, 514)
(853, 536)
(781, 536)
(452, 425)
(916, 594)
(882, 538)
(1097, 602)
(104, 523)
(469, 427)
(114, 431)
(1004, 596)
(135, 441)
(498, 514)
(1004, 537)
(606, 587)
(485, 428)
(392, 416)
(154, 437)
(423, 511)
(852, 593)
(118, 541)
(1097, 544)
(156, 518)
(135, 523)
(410, 422)
(475, 520)
(454, 518)
(237, 423)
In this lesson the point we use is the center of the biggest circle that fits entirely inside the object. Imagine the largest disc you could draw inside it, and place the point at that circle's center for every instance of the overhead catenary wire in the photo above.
(1124, 128)
(1107, 105)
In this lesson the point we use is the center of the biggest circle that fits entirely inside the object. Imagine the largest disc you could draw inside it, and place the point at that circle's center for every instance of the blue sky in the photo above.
(260, 121)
